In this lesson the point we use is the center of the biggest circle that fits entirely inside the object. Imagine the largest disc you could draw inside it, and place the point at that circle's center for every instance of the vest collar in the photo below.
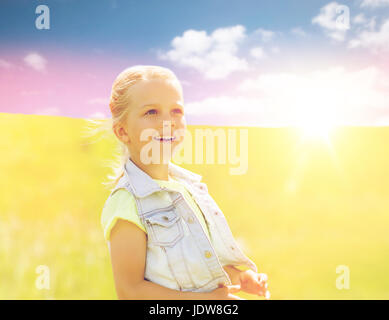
(143, 185)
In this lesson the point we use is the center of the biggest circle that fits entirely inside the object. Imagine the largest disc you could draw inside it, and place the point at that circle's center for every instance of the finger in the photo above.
(258, 287)
(234, 288)
(262, 277)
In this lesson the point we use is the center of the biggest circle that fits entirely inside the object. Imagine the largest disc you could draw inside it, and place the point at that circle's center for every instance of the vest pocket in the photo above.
(164, 228)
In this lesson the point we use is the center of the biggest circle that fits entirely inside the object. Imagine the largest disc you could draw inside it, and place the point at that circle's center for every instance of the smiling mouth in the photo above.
(164, 139)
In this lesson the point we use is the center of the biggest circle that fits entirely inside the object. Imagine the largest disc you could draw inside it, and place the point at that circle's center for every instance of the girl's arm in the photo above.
(234, 273)
(128, 256)
(249, 281)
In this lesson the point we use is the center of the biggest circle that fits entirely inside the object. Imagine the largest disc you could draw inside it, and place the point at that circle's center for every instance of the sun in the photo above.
(316, 130)
(317, 126)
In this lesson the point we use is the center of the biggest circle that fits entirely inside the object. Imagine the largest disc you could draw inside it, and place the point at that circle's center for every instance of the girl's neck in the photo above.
(159, 171)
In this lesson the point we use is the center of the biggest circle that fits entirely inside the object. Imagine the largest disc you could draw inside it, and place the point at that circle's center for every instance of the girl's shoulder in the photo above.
(120, 196)
(119, 205)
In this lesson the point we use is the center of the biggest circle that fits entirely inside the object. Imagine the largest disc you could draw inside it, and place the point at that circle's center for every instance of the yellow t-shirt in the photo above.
(122, 206)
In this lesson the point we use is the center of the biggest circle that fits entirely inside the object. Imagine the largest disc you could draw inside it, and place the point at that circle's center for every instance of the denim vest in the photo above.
(179, 254)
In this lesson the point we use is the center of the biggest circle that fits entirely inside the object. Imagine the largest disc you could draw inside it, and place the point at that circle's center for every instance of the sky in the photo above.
(250, 63)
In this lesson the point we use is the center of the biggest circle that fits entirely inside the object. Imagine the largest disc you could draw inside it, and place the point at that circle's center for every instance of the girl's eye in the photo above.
(151, 111)
(177, 110)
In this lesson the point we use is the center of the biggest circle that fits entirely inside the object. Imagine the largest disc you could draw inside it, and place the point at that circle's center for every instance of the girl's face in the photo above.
(156, 106)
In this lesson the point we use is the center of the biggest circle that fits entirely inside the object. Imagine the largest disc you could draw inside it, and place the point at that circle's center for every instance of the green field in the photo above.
(301, 210)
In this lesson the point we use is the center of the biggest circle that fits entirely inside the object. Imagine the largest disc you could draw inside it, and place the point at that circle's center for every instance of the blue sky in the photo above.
(90, 22)
(141, 25)
(246, 48)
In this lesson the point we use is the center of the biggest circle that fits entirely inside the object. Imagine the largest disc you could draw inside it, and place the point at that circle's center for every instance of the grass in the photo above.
(300, 211)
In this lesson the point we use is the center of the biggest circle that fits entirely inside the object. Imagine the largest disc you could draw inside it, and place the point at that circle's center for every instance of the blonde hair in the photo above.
(119, 104)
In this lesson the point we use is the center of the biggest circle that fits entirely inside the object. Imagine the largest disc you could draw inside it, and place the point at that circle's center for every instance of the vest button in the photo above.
(190, 220)
(208, 254)
(216, 213)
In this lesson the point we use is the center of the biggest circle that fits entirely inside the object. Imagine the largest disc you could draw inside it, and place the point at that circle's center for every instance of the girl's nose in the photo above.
(166, 123)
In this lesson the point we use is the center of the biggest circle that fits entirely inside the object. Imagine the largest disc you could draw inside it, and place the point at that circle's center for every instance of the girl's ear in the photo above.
(121, 134)
(124, 135)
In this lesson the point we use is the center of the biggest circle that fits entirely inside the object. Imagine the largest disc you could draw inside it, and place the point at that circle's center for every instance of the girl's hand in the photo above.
(224, 292)
(254, 283)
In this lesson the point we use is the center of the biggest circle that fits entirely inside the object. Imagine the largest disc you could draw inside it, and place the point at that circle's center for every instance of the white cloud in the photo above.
(214, 55)
(5, 64)
(97, 115)
(265, 35)
(376, 41)
(50, 111)
(35, 61)
(330, 19)
(298, 31)
(383, 121)
(277, 99)
(185, 83)
(29, 92)
(103, 101)
(374, 3)
(223, 105)
(258, 53)
(359, 19)
(371, 24)
(230, 110)
(363, 23)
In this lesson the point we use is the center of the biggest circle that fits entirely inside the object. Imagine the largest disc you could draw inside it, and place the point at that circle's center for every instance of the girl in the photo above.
(167, 237)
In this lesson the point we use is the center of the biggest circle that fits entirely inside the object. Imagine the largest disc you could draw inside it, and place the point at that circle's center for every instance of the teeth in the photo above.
(166, 138)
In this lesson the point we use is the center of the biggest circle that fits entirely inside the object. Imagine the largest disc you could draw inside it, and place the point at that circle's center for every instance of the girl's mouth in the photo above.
(165, 138)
